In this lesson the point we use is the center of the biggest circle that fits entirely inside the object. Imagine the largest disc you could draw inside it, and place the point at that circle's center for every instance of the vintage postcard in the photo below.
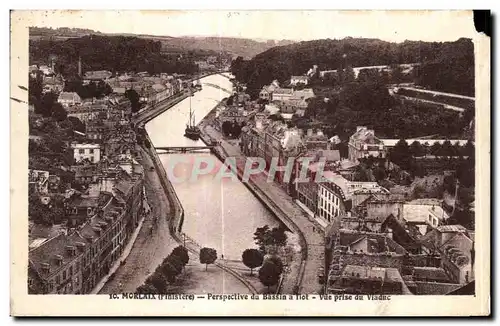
(272, 163)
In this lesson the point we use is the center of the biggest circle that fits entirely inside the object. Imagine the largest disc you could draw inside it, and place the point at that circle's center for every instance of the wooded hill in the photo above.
(113, 53)
(246, 48)
(446, 66)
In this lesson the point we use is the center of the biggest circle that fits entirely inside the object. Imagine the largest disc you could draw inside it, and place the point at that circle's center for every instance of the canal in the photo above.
(219, 213)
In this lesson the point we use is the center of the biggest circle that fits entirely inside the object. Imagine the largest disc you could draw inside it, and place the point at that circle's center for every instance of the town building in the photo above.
(232, 114)
(54, 84)
(456, 247)
(295, 80)
(424, 214)
(282, 94)
(363, 143)
(97, 75)
(46, 70)
(375, 253)
(88, 113)
(267, 91)
(39, 181)
(90, 152)
(68, 99)
(333, 197)
(99, 227)
(361, 279)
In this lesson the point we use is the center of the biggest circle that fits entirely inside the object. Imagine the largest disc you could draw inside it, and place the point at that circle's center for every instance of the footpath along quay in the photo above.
(232, 279)
(177, 218)
(149, 250)
(302, 277)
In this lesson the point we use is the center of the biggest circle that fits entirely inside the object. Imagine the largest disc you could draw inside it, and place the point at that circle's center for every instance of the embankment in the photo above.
(177, 215)
(221, 154)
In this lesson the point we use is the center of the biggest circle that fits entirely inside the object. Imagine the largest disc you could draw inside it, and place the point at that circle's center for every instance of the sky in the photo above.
(395, 26)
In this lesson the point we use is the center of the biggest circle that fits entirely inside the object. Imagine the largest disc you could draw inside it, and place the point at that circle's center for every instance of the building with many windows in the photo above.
(99, 226)
(364, 143)
(89, 151)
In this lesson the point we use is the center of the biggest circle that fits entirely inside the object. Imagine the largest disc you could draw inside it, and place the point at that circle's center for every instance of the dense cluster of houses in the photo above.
(103, 201)
(377, 242)
(212, 63)
(150, 88)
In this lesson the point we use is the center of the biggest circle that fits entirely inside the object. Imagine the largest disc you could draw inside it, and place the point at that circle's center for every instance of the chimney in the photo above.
(45, 267)
(70, 250)
(59, 259)
(80, 246)
(309, 132)
(80, 66)
(97, 230)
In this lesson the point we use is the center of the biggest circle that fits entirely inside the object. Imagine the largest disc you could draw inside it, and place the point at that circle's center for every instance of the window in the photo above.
(58, 279)
(71, 271)
(81, 151)
(64, 275)
(91, 151)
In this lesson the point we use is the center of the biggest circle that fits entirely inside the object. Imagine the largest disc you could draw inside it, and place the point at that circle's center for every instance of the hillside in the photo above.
(113, 53)
(245, 48)
(447, 66)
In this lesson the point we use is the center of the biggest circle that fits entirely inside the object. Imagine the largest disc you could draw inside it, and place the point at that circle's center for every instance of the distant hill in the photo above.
(246, 48)
(451, 64)
(113, 53)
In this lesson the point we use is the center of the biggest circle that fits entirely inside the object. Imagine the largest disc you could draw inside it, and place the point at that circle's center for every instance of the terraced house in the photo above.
(94, 237)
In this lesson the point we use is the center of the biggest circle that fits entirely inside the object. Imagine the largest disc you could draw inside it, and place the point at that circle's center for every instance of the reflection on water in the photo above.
(219, 213)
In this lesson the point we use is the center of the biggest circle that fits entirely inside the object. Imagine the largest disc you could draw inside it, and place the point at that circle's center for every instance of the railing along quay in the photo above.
(221, 153)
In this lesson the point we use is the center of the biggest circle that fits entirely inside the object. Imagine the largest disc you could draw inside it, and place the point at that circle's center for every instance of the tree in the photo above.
(146, 289)
(134, 98)
(446, 149)
(207, 256)
(276, 261)
(435, 149)
(58, 112)
(416, 149)
(182, 253)
(252, 258)
(268, 274)
(468, 149)
(379, 173)
(400, 154)
(158, 281)
(77, 124)
(265, 236)
(171, 267)
(278, 236)
(226, 128)
(35, 89)
(46, 103)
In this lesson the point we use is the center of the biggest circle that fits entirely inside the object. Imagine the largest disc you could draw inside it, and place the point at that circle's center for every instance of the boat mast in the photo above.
(190, 114)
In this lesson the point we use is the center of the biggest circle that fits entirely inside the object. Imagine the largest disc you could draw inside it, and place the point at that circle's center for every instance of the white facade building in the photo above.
(91, 152)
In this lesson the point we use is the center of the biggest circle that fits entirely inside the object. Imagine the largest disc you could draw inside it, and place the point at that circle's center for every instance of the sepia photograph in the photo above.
(237, 158)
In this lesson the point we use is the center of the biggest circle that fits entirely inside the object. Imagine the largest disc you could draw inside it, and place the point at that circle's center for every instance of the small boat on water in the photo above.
(192, 131)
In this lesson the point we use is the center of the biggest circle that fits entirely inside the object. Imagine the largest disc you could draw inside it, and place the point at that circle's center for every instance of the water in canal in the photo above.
(219, 213)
